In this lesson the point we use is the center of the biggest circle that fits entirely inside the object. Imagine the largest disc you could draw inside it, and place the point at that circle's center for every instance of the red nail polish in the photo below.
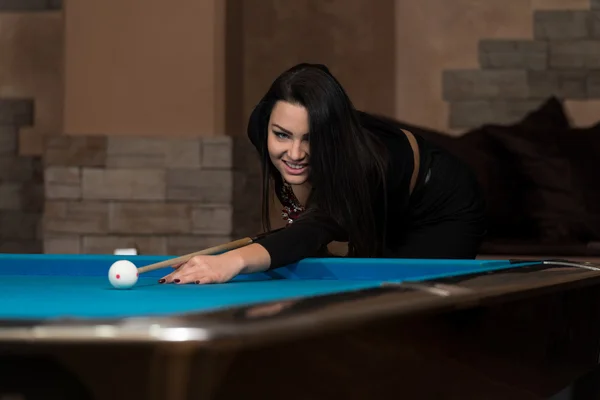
(197, 282)
(176, 280)
(162, 280)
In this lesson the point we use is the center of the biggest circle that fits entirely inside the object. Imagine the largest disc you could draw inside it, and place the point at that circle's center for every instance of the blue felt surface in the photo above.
(57, 286)
(92, 297)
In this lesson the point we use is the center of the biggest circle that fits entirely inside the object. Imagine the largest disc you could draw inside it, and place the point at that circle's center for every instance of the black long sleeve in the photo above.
(301, 239)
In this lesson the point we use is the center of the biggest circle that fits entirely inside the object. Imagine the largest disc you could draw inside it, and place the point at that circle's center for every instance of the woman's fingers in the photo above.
(200, 270)
(179, 268)
(195, 278)
(198, 275)
(193, 271)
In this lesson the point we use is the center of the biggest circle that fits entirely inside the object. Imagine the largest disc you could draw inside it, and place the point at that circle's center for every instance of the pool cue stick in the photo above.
(222, 248)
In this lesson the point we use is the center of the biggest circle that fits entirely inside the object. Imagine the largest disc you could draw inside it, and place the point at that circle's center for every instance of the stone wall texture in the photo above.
(562, 59)
(21, 183)
(163, 196)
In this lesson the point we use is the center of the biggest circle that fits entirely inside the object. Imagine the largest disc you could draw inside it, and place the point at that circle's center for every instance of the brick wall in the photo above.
(164, 196)
(21, 188)
(515, 76)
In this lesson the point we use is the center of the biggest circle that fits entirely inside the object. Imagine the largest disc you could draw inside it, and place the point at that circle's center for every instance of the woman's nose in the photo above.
(297, 152)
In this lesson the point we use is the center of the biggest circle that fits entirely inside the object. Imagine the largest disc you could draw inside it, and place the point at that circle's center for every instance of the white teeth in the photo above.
(294, 166)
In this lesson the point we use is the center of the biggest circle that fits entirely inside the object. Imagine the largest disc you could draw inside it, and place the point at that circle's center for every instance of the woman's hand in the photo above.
(205, 269)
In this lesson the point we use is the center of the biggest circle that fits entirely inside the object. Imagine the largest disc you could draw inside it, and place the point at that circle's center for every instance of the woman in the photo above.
(347, 176)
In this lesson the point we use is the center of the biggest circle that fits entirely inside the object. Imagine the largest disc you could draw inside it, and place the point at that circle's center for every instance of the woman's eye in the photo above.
(281, 135)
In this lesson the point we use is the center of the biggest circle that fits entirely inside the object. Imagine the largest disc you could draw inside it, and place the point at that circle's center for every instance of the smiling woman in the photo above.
(288, 147)
(344, 175)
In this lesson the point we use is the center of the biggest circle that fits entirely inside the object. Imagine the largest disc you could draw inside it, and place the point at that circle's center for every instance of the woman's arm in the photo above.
(301, 239)
(250, 259)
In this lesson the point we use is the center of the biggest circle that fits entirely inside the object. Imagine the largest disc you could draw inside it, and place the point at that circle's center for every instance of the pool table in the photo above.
(320, 328)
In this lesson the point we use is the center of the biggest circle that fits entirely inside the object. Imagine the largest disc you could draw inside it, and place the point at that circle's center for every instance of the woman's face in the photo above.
(287, 142)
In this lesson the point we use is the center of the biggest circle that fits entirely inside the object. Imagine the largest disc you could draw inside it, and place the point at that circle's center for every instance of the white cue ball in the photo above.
(123, 274)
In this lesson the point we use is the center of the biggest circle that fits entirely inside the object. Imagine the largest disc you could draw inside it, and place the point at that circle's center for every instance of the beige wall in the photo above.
(160, 70)
(144, 68)
(31, 49)
(354, 38)
(433, 35)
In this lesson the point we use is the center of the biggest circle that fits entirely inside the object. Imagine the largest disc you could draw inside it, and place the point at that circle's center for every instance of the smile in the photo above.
(294, 168)
(294, 165)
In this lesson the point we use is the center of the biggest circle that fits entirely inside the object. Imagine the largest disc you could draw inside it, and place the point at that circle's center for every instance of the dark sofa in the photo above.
(541, 179)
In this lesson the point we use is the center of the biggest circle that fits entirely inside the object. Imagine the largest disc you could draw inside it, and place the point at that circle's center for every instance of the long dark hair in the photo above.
(347, 161)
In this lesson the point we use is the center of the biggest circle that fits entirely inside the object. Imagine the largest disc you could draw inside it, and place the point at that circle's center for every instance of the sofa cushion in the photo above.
(552, 200)
(582, 148)
(499, 153)
(561, 175)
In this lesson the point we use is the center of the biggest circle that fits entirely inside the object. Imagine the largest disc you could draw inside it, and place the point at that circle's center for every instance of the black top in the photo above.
(452, 195)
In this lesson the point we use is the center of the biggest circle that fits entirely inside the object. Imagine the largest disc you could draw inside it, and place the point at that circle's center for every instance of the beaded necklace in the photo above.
(291, 206)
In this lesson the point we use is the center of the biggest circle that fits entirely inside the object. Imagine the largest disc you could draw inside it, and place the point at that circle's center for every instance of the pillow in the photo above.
(552, 197)
(560, 179)
(582, 148)
(551, 114)
(500, 180)
(542, 200)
